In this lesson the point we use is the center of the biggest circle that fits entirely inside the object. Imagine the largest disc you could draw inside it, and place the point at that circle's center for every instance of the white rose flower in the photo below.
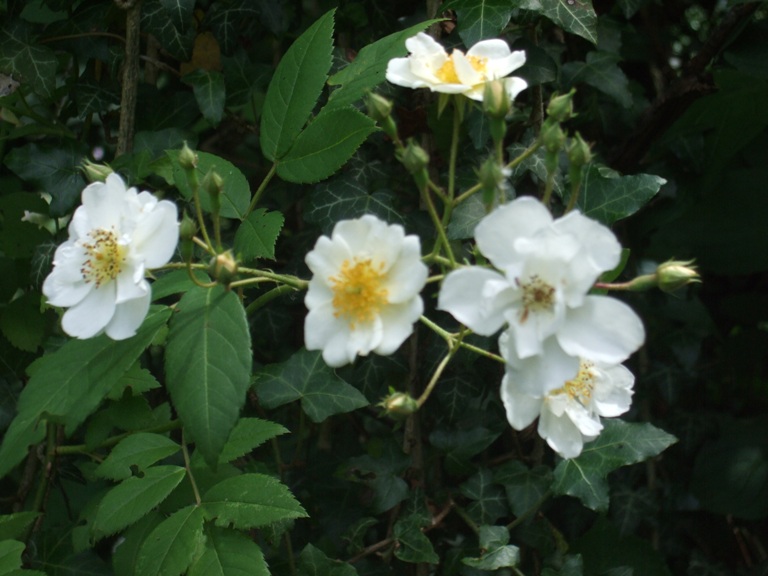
(364, 292)
(570, 415)
(546, 267)
(430, 66)
(98, 273)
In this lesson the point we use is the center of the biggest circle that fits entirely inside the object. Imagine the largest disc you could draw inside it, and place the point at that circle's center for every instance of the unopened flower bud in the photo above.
(560, 107)
(579, 152)
(675, 274)
(415, 159)
(496, 102)
(399, 405)
(187, 228)
(213, 184)
(552, 136)
(379, 108)
(223, 267)
(491, 175)
(96, 172)
(187, 158)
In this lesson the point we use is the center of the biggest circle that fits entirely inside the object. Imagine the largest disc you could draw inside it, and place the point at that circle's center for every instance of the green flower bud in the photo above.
(187, 158)
(415, 159)
(675, 274)
(379, 108)
(96, 172)
(552, 136)
(223, 267)
(187, 228)
(496, 102)
(399, 405)
(214, 185)
(491, 175)
(560, 107)
(579, 152)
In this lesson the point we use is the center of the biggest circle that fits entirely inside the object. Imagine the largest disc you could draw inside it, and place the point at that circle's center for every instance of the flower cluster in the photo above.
(430, 66)
(98, 273)
(563, 346)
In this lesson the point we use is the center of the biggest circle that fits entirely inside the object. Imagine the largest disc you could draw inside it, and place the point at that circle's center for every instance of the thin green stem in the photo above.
(467, 520)
(199, 213)
(435, 377)
(454, 149)
(548, 187)
(260, 191)
(248, 282)
(442, 237)
(85, 449)
(437, 190)
(293, 281)
(191, 476)
(575, 189)
(454, 340)
(268, 297)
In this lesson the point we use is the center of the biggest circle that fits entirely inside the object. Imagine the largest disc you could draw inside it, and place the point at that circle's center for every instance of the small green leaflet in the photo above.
(257, 235)
(135, 454)
(247, 434)
(295, 88)
(601, 71)
(170, 547)
(250, 501)
(619, 444)
(15, 525)
(307, 377)
(133, 498)
(229, 553)
(10, 555)
(208, 363)
(414, 544)
(496, 551)
(313, 562)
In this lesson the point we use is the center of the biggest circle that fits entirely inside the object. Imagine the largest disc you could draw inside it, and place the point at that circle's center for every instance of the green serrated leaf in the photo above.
(298, 81)
(14, 525)
(257, 235)
(137, 379)
(489, 503)
(525, 487)
(619, 444)
(480, 19)
(229, 553)
(313, 562)
(368, 68)
(126, 555)
(601, 71)
(574, 16)
(70, 383)
(176, 282)
(250, 501)
(248, 434)
(22, 322)
(607, 197)
(345, 197)
(208, 366)
(10, 555)
(210, 93)
(307, 377)
(236, 196)
(135, 454)
(414, 544)
(133, 498)
(325, 145)
(171, 546)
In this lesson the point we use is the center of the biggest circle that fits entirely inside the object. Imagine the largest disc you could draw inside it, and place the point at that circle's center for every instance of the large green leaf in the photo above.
(15, 525)
(23, 323)
(247, 434)
(600, 71)
(313, 562)
(525, 487)
(295, 88)
(414, 544)
(168, 26)
(346, 197)
(180, 12)
(170, 547)
(31, 64)
(325, 145)
(480, 19)
(257, 235)
(574, 16)
(126, 555)
(208, 364)
(489, 503)
(619, 444)
(607, 196)
(237, 192)
(133, 498)
(70, 383)
(368, 68)
(10, 555)
(229, 553)
(210, 93)
(135, 454)
(307, 377)
(251, 501)
(232, 21)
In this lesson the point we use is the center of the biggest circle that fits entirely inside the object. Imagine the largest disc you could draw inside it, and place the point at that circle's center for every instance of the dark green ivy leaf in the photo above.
(480, 19)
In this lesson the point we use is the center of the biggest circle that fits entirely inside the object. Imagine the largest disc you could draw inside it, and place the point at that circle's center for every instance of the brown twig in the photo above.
(130, 76)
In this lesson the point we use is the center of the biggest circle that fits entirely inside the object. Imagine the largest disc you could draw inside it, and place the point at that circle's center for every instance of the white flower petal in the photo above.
(399, 72)
(522, 409)
(156, 235)
(91, 315)
(128, 288)
(103, 202)
(514, 85)
(542, 373)
(602, 329)
(128, 317)
(561, 434)
(462, 295)
(408, 274)
(397, 324)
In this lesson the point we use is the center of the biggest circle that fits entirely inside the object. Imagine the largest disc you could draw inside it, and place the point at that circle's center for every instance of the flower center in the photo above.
(105, 257)
(581, 387)
(447, 72)
(538, 296)
(357, 291)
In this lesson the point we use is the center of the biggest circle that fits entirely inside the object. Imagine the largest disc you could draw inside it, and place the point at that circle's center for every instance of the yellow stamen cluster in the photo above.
(105, 257)
(447, 72)
(358, 294)
(538, 296)
(582, 386)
